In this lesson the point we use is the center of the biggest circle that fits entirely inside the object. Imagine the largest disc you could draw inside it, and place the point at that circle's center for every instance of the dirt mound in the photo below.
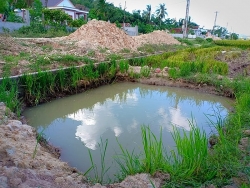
(102, 34)
(106, 35)
(156, 37)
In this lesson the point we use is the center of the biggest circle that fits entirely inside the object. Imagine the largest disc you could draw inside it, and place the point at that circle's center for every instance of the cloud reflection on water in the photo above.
(102, 117)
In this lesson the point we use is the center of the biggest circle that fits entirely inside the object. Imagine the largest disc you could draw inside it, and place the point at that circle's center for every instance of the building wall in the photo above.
(66, 3)
(131, 31)
(181, 36)
(71, 13)
(11, 26)
(24, 13)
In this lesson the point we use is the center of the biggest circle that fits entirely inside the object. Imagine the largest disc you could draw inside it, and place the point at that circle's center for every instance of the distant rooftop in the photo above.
(51, 3)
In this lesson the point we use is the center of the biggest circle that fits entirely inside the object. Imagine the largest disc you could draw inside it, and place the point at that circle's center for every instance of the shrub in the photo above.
(199, 40)
(209, 39)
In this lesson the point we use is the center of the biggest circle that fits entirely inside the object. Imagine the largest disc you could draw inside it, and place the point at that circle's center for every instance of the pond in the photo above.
(77, 123)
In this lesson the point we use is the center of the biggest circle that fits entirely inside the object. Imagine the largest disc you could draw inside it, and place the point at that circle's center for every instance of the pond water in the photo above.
(77, 123)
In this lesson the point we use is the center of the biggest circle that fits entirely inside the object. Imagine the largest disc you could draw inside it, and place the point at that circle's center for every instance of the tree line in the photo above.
(146, 20)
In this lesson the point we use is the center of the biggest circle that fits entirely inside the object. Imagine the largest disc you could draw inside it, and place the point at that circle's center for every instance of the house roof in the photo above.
(51, 3)
(77, 11)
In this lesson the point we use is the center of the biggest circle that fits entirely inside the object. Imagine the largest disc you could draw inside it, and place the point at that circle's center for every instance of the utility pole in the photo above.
(124, 14)
(215, 21)
(186, 20)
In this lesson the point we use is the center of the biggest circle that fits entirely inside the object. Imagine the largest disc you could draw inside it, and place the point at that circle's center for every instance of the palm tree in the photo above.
(148, 12)
(161, 12)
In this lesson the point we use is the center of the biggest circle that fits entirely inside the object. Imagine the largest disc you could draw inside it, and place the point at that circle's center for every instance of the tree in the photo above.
(220, 31)
(234, 36)
(161, 12)
(36, 11)
(171, 23)
(56, 17)
(101, 9)
(3, 6)
(148, 13)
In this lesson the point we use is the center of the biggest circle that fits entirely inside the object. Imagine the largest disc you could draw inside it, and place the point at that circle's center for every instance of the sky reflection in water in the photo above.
(77, 123)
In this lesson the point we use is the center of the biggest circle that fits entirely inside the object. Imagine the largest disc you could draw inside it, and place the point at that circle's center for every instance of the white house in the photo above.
(67, 6)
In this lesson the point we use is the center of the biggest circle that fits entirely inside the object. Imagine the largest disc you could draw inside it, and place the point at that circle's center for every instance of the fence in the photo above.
(11, 26)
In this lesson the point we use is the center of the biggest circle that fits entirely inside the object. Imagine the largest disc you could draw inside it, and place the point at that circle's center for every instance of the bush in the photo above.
(209, 39)
(199, 40)
(185, 41)
(12, 17)
(78, 22)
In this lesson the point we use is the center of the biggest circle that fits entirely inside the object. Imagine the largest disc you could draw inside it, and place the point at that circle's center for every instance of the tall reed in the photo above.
(99, 177)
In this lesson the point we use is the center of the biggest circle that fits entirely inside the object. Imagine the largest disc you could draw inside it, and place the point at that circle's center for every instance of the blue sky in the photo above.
(233, 14)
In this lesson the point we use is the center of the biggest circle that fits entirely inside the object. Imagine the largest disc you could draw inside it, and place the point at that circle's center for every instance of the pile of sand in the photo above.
(156, 37)
(100, 34)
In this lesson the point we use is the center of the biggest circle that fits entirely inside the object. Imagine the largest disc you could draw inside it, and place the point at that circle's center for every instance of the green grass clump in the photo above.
(187, 162)
(99, 176)
(9, 95)
(235, 43)
(123, 66)
(145, 71)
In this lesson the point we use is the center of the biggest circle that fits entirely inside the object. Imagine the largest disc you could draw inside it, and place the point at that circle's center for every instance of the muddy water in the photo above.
(77, 123)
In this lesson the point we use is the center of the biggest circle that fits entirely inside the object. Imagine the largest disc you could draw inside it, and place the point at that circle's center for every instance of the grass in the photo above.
(145, 71)
(38, 138)
(155, 48)
(99, 177)
(9, 95)
(187, 162)
(244, 44)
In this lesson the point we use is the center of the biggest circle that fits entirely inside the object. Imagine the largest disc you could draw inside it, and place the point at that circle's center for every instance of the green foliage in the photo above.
(78, 22)
(99, 177)
(36, 11)
(153, 151)
(12, 17)
(129, 162)
(209, 39)
(3, 6)
(145, 28)
(186, 61)
(234, 36)
(123, 66)
(199, 40)
(9, 95)
(103, 69)
(173, 73)
(87, 3)
(145, 71)
(185, 41)
(235, 43)
(56, 17)
(190, 159)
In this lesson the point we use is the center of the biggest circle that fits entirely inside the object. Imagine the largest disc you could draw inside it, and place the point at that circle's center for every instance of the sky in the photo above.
(232, 14)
